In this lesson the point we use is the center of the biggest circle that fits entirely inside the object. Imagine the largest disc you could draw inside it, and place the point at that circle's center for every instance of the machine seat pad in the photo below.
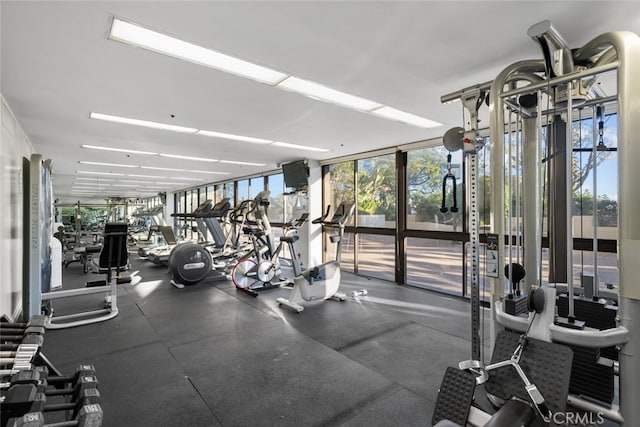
(512, 413)
(454, 398)
(94, 249)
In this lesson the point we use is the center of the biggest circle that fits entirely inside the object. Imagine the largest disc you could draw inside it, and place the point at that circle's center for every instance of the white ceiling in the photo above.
(58, 66)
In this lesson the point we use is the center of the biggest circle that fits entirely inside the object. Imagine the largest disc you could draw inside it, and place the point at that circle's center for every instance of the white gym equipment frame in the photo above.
(37, 282)
(613, 53)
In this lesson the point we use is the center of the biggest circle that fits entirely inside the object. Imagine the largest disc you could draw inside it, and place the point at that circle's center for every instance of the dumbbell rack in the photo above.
(33, 393)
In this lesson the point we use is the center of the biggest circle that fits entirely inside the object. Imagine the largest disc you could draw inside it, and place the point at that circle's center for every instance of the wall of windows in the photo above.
(236, 191)
(401, 234)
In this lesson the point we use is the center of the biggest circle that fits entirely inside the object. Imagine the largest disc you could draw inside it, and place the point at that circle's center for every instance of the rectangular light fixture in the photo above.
(90, 184)
(298, 147)
(210, 172)
(184, 178)
(146, 176)
(93, 180)
(148, 39)
(408, 118)
(163, 169)
(233, 162)
(178, 156)
(120, 150)
(234, 137)
(108, 164)
(326, 94)
(100, 173)
(126, 185)
(143, 123)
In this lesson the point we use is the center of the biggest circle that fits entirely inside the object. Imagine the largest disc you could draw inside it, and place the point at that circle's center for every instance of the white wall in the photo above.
(14, 146)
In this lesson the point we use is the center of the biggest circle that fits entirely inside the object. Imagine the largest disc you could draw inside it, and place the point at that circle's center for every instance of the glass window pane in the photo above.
(229, 189)
(377, 256)
(377, 192)
(341, 185)
(434, 264)
(276, 202)
(210, 193)
(426, 169)
(256, 185)
(243, 190)
(346, 258)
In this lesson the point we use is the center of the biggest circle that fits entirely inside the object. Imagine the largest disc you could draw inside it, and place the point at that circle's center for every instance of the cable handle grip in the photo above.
(452, 177)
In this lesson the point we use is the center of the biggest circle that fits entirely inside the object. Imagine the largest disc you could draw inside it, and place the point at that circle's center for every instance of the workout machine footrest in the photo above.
(455, 397)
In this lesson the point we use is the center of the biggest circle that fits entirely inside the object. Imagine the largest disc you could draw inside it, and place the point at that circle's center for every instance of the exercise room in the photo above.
(319, 213)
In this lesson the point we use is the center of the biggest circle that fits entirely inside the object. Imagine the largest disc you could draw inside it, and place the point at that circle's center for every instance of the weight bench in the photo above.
(113, 257)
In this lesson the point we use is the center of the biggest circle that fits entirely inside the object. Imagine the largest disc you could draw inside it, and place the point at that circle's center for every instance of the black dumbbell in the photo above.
(18, 334)
(38, 373)
(24, 398)
(88, 416)
(39, 320)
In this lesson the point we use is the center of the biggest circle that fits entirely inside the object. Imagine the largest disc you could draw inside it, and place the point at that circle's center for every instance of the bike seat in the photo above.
(289, 239)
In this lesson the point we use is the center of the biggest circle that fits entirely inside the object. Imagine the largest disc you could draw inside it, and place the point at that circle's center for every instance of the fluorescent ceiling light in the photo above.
(233, 162)
(182, 170)
(148, 39)
(299, 147)
(126, 185)
(163, 169)
(108, 164)
(198, 159)
(100, 173)
(121, 150)
(93, 180)
(234, 137)
(137, 182)
(211, 172)
(143, 123)
(326, 94)
(401, 116)
(167, 183)
(89, 184)
(146, 176)
(183, 178)
(142, 37)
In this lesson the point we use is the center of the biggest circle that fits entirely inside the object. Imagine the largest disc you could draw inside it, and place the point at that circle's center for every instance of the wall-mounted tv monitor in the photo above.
(296, 174)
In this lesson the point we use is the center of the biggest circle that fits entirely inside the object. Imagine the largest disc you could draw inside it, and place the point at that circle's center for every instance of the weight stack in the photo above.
(596, 314)
(592, 375)
(515, 305)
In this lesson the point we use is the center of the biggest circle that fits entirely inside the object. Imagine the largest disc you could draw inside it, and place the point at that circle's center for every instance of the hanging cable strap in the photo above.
(447, 177)
(601, 146)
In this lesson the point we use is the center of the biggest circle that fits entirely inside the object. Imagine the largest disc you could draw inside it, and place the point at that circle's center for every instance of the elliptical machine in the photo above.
(321, 281)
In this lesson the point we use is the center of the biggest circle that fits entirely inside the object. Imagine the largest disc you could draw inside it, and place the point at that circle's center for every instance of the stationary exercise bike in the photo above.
(260, 269)
(321, 281)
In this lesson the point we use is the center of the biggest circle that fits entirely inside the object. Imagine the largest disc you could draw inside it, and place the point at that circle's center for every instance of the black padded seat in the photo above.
(289, 239)
(114, 252)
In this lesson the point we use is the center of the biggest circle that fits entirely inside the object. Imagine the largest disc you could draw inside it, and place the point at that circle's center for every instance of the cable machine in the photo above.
(532, 105)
